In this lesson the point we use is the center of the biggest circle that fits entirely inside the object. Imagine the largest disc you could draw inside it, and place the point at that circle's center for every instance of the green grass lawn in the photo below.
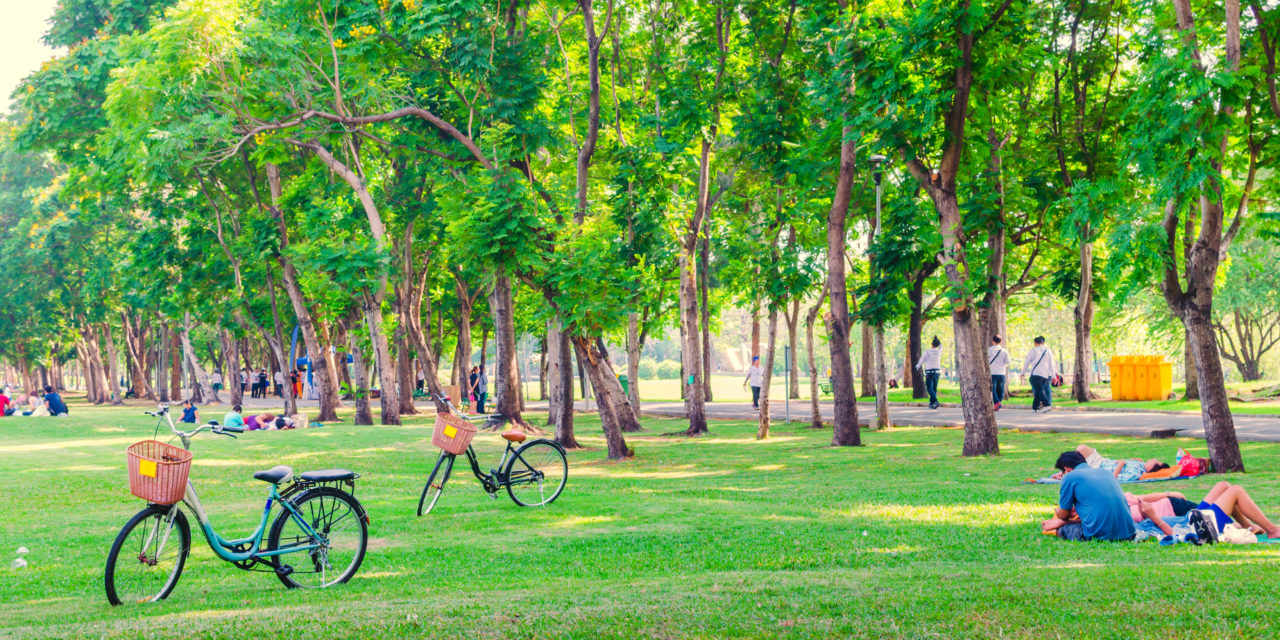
(720, 536)
(727, 387)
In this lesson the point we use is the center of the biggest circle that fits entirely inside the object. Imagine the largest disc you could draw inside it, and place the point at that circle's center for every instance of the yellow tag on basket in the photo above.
(147, 468)
(450, 431)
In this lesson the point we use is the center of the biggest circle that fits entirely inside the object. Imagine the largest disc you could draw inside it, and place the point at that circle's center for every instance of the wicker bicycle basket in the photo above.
(158, 471)
(453, 434)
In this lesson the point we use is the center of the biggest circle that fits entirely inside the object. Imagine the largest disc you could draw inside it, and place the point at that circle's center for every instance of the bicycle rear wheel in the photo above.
(148, 555)
(435, 483)
(536, 473)
(342, 537)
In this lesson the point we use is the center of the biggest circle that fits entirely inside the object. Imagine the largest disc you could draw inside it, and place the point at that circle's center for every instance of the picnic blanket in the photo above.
(1052, 480)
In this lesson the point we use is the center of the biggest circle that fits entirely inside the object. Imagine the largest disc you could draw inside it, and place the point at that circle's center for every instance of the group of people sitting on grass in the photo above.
(260, 421)
(35, 404)
(1092, 506)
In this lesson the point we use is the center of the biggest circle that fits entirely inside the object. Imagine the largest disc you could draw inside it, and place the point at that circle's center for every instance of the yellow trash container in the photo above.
(1121, 377)
(1163, 377)
(1136, 378)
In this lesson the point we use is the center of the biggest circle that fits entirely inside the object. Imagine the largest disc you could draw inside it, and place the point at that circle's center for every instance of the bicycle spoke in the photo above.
(536, 474)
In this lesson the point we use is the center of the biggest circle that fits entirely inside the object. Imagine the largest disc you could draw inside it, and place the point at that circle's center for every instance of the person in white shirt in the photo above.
(279, 377)
(755, 377)
(998, 361)
(1039, 367)
(931, 364)
(216, 379)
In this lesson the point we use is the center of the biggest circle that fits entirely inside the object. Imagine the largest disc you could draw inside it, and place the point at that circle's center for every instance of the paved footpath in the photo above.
(1068, 420)
(1063, 419)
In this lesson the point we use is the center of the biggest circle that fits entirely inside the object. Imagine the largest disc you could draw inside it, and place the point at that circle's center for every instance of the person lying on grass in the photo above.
(1149, 506)
(1091, 505)
(1226, 498)
(1124, 470)
(1223, 499)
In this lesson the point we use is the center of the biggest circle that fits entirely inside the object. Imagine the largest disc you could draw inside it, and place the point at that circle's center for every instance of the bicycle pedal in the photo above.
(284, 570)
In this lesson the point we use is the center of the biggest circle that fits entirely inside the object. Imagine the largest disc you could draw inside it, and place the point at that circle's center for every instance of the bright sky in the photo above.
(21, 50)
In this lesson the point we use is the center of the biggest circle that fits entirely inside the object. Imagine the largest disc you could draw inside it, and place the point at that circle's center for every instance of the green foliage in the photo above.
(668, 370)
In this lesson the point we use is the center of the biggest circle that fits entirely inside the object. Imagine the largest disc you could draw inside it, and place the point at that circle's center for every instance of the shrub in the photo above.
(669, 370)
(648, 369)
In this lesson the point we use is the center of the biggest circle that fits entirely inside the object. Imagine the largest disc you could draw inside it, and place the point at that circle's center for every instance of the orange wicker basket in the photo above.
(453, 434)
(158, 471)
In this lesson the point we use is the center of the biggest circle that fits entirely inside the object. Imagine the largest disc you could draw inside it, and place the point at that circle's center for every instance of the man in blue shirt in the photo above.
(1091, 502)
(54, 402)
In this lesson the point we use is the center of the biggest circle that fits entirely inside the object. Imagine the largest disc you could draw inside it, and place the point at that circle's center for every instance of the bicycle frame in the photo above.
(492, 482)
(225, 549)
(222, 547)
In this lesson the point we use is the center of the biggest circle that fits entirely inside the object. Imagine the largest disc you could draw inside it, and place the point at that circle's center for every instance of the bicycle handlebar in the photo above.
(163, 412)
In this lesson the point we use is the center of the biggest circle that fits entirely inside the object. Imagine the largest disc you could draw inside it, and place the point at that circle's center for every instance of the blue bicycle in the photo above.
(320, 527)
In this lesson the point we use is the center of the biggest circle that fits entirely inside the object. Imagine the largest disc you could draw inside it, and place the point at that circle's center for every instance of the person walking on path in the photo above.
(471, 388)
(755, 378)
(998, 361)
(1040, 367)
(244, 379)
(482, 386)
(216, 379)
(931, 364)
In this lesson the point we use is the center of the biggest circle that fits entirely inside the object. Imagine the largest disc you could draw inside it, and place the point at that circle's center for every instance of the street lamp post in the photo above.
(882, 387)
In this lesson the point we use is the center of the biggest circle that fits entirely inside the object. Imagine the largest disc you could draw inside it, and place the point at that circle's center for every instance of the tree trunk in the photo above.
(762, 431)
(915, 331)
(609, 396)
(175, 366)
(388, 400)
(705, 308)
(360, 381)
(82, 354)
(815, 409)
(691, 350)
(755, 330)
(1192, 392)
(117, 398)
(845, 431)
(506, 393)
(1083, 319)
(230, 357)
(136, 345)
(560, 374)
(793, 326)
(627, 420)
(406, 379)
(882, 384)
(542, 371)
(200, 378)
(1219, 426)
(316, 354)
(981, 436)
(634, 347)
(462, 354)
(162, 362)
(867, 381)
(276, 342)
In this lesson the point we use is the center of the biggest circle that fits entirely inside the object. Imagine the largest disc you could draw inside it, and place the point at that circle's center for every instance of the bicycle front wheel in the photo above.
(338, 543)
(536, 473)
(148, 555)
(435, 483)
